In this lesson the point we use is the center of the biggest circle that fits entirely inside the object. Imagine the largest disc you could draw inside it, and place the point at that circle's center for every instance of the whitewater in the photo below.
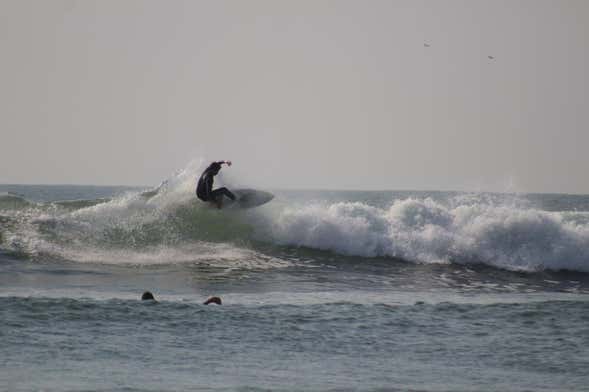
(504, 231)
(322, 290)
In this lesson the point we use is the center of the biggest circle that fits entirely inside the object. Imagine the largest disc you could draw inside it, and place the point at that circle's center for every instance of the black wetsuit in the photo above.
(204, 189)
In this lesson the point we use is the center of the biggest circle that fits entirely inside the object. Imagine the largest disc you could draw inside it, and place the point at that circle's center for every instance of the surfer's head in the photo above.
(147, 296)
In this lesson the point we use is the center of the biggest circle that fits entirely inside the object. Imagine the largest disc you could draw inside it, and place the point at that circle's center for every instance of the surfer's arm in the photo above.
(228, 163)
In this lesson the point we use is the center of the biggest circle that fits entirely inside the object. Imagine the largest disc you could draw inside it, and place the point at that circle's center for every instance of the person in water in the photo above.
(204, 189)
(147, 296)
(213, 300)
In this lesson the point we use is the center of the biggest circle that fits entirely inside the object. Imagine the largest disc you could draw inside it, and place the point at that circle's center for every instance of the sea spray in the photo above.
(158, 226)
(168, 224)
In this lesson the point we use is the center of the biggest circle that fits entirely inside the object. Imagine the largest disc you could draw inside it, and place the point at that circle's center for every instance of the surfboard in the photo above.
(247, 198)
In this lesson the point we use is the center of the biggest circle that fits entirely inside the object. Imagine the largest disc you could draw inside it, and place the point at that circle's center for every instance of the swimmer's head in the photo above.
(147, 296)
(213, 300)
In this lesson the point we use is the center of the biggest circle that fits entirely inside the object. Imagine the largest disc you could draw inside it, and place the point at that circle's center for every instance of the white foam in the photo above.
(168, 227)
(508, 236)
(118, 231)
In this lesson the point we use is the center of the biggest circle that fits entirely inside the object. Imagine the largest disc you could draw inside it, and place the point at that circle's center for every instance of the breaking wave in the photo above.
(164, 225)
(168, 225)
(423, 230)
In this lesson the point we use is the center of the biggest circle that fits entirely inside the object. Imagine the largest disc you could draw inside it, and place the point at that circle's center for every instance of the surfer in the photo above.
(204, 189)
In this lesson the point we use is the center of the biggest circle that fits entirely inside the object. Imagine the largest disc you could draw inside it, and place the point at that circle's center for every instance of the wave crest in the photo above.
(168, 224)
(428, 231)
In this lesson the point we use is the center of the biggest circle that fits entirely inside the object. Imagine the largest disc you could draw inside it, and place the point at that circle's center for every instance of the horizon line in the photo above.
(306, 189)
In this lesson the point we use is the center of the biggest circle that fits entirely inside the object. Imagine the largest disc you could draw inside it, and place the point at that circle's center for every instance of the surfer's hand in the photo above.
(228, 163)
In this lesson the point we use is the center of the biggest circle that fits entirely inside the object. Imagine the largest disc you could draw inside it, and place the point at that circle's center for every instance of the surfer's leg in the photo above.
(216, 198)
(222, 191)
(229, 194)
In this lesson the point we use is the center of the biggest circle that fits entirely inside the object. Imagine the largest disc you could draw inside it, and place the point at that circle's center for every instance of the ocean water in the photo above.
(321, 290)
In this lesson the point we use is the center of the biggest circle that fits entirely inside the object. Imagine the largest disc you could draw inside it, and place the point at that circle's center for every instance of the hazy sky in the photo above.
(299, 94)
